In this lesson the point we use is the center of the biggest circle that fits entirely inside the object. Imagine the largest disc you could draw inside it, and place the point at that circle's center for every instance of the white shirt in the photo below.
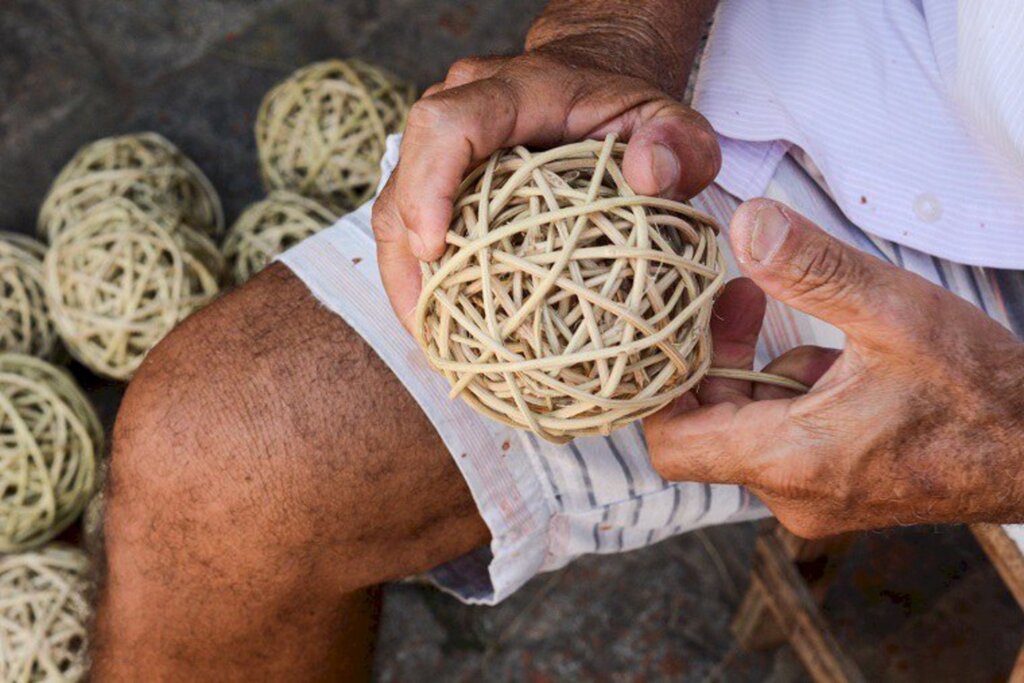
(912, 111)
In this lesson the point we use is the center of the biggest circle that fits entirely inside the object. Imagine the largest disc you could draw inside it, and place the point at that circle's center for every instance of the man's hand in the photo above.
(590, 70)
(919, 420)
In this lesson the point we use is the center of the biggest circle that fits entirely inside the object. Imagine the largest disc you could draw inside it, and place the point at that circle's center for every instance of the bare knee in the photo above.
(263, 439)
(216, 463)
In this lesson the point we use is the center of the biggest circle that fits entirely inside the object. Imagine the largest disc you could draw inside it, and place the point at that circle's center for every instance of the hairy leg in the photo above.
(268, 470)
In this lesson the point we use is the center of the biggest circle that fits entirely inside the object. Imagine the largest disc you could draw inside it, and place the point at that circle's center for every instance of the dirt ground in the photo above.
(917, 604)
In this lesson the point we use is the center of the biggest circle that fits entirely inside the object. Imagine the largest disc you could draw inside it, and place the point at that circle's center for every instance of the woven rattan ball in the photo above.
(268, 228)
(25, 325)
(144, 168)
(44, 612)
(321, 132)
(50, 438)
(120, 278)
(565, 303)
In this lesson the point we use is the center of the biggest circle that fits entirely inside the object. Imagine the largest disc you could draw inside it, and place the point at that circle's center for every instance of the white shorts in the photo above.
(547, 504)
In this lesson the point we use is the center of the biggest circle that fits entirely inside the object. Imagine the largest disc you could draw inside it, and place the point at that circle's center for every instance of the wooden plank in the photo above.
(1017, 675)
(797, 613)
(1005, 555)
(754, 626)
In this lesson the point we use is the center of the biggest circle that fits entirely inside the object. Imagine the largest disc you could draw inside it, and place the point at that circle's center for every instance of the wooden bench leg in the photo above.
(1005, 556)
(780, 606)
(1017, 675)
(754, 626)
(1008, 560)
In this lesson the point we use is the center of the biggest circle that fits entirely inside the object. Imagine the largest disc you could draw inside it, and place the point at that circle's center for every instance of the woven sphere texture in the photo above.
(25, 325)
(565, 303)
(321, 132)
(44, 613)
(268, 228)
(144, 168)
(50, 438)
(120, 278)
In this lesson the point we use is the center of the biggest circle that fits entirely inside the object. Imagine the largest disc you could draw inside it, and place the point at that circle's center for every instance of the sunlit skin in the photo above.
(268, 471)
(919, 420)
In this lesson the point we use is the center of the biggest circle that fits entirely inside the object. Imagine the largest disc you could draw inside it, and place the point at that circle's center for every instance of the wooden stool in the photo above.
(790, 577)
(1008, 559)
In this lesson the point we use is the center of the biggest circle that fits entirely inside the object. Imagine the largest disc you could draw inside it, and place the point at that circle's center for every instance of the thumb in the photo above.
(797, 263)
(672, 151)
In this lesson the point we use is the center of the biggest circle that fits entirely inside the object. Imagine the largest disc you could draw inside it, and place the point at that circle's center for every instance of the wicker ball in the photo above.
(25, 325)
(321, 132)
(565, 303)
(50, 437)
(268, 228)
(144, 168)
(120, 278)
(44, 614)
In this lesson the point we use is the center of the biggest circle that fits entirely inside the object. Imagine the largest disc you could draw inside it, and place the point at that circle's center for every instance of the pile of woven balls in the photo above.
(132, 240)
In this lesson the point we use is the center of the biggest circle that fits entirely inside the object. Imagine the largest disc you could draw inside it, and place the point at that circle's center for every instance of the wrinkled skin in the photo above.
(917, 420)
(920, 419)
(268, 471)
(560, 90)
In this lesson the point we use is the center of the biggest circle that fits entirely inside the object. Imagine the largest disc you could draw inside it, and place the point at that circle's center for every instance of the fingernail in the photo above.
(417, 245)
(770, 229)
(665, 167)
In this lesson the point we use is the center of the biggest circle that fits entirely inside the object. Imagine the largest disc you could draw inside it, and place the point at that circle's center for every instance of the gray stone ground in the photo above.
(911, 605)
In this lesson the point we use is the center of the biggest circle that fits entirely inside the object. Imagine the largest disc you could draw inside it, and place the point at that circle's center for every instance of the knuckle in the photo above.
(465, 70)
(379, 223)
(658, 453)
(434, 89)
(430, 115)
(668, 462)
(406, 212)
(702, 126)
(825, 272)
(538, 59)
(382, 215)
(664, 466)
(708, 141)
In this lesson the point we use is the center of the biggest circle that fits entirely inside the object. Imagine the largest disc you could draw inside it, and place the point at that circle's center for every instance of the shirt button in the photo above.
(928, 207)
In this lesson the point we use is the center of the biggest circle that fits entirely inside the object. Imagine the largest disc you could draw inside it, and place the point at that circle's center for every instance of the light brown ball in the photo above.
(25, 325)
(565, 303)
(120, 278)
(144, 168)
(270, 227)
(321, 132)
(50, 439)
(44, 615)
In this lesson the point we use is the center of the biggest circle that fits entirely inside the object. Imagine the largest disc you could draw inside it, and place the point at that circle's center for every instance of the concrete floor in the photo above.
(917, 604)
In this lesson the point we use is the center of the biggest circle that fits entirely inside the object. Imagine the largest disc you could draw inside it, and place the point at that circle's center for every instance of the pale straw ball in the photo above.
(25, 325)
(565, 303)
(144, 168)
(49, 441)
(269, 227)
(120, 278)
(321, 133)
(44, 615)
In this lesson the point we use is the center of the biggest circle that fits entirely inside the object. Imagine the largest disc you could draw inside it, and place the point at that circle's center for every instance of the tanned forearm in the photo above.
(656, 40)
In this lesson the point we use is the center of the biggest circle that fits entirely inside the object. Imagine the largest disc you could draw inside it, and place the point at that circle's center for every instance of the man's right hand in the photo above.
(545, 97)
